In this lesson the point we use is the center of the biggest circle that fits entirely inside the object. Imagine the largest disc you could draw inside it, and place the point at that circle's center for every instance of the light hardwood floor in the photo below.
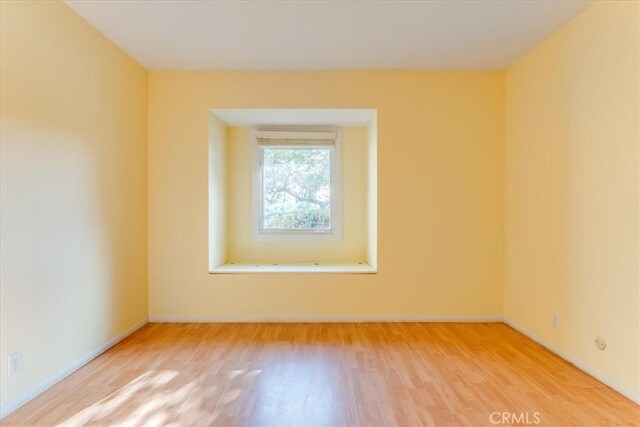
(367, 374)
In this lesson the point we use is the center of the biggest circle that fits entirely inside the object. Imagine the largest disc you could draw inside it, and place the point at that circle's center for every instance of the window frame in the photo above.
(298, 236)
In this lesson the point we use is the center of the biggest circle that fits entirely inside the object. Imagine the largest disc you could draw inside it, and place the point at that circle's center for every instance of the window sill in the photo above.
(294, 268)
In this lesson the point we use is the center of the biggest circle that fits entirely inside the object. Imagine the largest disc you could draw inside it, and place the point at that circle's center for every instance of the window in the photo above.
(297, 187)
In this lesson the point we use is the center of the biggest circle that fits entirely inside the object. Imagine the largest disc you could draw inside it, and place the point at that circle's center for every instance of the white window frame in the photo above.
(296, 138)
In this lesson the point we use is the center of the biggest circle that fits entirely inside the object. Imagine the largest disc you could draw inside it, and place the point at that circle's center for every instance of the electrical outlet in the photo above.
(555, 321)
(601, 344)
(15, 363)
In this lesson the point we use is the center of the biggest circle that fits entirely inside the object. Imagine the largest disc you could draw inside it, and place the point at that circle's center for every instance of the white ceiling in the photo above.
(315, 35)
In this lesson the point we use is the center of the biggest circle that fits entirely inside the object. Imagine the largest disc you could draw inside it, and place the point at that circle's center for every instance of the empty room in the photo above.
(319, 213)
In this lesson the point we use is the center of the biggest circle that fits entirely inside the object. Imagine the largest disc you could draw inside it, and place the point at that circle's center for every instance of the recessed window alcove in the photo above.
(347, 240)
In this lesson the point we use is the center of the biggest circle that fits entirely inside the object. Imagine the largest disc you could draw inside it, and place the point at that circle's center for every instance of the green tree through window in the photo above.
(296, 189)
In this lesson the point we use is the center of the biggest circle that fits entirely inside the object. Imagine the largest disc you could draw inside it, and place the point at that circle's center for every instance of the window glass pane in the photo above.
(296, 193)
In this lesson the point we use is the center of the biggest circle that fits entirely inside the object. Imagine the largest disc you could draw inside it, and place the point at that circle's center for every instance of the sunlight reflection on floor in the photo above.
(165, 398)
(144, 384)
(292, 392)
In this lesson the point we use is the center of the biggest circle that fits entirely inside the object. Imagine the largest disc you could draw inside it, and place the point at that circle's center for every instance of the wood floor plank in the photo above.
(326, 374)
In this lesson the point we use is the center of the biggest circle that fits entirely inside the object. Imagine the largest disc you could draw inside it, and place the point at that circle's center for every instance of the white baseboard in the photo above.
(324, 319)
(625, 391)
(53, 380)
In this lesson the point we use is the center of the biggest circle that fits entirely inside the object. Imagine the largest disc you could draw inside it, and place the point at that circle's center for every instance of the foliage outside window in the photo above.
(296, 189)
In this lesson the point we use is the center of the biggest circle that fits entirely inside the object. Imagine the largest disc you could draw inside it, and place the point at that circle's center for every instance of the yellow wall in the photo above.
(73, 191)
(241, 245)
(372, 193)
(572, 183)
(218, 185)
(440, 187)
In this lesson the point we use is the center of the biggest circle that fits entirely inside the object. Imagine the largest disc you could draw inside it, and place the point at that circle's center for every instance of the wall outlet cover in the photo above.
(555, 321)
(14, 363)
(601, 344)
